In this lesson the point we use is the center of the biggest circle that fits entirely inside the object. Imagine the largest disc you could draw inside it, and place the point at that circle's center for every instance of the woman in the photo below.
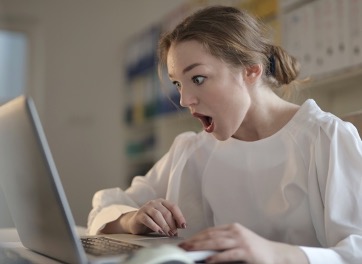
(267, 181)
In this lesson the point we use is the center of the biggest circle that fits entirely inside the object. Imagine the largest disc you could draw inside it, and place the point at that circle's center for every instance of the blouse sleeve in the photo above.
(110, 204)
(336, 196)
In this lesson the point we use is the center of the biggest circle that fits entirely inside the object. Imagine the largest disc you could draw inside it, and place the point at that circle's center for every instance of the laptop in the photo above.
(36, 199)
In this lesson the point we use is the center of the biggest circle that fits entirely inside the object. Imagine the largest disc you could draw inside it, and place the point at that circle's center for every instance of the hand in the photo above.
(159, 216)
(237, 243)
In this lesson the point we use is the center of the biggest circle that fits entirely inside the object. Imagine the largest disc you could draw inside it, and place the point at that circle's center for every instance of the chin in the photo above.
(220, 137)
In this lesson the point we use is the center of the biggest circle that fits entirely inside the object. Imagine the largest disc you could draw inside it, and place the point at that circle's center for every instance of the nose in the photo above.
(187, 98)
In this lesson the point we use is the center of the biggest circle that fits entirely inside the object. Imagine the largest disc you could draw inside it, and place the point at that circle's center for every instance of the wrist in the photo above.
(289, 254)
(129, 224)
(118, 226)
(125, 221)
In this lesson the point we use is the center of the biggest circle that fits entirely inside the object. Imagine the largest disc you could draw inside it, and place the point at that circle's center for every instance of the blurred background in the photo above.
(90, 67)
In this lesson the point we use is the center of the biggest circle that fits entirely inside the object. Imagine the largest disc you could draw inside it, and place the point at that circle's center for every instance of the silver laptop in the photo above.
(36, 199)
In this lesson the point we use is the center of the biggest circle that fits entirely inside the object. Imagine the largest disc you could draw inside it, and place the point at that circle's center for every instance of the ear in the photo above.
(252, 73)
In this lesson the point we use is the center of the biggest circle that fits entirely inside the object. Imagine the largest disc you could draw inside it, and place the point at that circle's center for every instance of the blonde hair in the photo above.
(235, 37)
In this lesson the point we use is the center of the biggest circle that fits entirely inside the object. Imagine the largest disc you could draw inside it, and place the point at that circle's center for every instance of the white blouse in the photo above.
(300, 186)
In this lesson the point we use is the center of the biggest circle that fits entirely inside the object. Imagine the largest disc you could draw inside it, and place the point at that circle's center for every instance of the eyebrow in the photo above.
(188, 68)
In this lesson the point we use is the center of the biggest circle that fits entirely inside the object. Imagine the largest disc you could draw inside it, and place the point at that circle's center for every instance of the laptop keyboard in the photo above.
(99, 246)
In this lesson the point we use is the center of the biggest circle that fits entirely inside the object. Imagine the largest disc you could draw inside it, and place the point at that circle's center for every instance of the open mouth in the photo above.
(207, 122)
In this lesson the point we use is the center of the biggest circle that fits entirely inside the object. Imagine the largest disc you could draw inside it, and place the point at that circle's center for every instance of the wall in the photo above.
(78, 85)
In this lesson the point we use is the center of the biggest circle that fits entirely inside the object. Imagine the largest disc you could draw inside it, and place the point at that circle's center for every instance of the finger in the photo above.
(168, 217)
(237, 254)
(162, 219)
(209, 234)
(161, 216)
(147, 221)
(229, 230)
(218, 244)
(171, 228)
(176, 213)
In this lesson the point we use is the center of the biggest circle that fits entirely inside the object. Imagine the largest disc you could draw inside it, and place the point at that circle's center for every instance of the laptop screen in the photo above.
(31, 185)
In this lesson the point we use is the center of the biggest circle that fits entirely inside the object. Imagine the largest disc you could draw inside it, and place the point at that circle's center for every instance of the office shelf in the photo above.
(153, 121)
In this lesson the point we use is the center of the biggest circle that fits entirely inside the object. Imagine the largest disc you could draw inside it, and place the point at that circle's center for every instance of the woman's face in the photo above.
(214, 92)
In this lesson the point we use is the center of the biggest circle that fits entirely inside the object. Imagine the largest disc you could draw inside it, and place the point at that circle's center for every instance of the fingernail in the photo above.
(183, 225)
(209, 260)
(185, 246)
(170, 233)
(160, 232)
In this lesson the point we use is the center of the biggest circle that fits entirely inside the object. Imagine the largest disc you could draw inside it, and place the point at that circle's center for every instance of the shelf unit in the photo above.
(326, 37)
(153, 121)
(153, 116)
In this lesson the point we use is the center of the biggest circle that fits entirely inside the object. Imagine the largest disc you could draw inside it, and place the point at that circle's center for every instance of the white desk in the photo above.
(9, 238)
(8, 235)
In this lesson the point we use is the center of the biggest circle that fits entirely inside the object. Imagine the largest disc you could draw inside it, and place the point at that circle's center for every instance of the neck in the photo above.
(265, 117)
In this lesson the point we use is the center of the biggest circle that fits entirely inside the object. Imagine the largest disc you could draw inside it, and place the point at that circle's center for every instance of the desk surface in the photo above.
(9, 235)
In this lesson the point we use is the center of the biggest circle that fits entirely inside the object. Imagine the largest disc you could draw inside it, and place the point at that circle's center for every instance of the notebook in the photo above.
(36, 198)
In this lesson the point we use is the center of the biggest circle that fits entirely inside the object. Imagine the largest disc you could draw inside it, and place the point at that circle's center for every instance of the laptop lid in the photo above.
(35, 196)
(31, 185)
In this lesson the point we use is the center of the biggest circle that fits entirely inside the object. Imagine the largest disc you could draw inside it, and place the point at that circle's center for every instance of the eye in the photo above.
(177, 85)
(198, 80)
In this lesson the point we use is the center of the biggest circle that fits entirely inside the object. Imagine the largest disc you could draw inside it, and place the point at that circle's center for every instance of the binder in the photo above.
(292, 35)
(307, 41)
(285, 4)
(343, 48)
(318, 50)
(355, 25)
(329, 30)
